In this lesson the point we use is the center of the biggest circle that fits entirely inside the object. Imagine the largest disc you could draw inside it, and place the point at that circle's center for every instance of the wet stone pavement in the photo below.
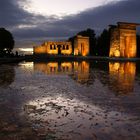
(70, 101)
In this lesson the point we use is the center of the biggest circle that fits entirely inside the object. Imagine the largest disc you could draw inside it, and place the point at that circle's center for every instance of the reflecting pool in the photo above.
(74, 100)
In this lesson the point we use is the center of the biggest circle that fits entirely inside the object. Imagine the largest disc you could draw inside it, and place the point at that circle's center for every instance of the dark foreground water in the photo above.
(70, 101)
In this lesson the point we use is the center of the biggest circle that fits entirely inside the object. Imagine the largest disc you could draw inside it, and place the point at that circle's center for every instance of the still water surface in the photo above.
(70, 101)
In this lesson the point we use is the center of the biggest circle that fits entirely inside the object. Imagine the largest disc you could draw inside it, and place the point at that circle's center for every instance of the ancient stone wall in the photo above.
(123, 40)
(128, 43)
(114, 42)
(54, 47)
(40, 50)
(64, 48)
(81, 45)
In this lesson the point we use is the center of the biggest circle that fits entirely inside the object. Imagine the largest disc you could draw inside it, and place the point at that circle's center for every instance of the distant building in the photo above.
(81, 47)
(54, 47)
(123, 40)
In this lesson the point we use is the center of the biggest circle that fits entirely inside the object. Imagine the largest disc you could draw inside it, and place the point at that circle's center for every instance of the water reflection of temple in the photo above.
(122, 76)
(54, 68)
(79, 71)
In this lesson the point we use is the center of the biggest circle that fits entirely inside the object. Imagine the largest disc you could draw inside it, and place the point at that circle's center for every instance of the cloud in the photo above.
(11, 14)
(100, 17)
(15, 18)
(27, 25)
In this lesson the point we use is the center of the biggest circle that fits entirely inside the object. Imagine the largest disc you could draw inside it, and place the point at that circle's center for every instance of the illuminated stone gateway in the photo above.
(123, 40)
(81, 47)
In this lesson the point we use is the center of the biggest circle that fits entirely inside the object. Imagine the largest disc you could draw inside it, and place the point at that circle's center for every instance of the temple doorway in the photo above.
(59, 49)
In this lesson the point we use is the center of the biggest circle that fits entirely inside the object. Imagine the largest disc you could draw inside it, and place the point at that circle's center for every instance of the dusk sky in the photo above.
(45, 19)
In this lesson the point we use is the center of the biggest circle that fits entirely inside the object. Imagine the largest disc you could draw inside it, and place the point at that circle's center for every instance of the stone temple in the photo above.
(123, 40)
(81, 47)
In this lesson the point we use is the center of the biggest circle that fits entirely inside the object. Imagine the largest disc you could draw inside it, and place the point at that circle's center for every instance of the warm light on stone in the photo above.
(123, 40)
(81, 47)
(54, 48)
(117, 53)
(40, 50)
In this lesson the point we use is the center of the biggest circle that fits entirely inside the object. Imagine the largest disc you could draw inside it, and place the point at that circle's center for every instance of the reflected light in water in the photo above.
(122, 76)
(62, 115)
(27, 65)
(54, 68)
(79, 70)
(66, 67)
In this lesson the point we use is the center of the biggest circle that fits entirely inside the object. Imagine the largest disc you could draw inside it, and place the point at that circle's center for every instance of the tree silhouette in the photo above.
(6, 42)
(103, 44)
(71, 39)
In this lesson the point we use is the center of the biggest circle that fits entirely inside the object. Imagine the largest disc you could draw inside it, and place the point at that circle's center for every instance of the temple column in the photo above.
(122, 46)
(67, 47)
(56, 48)
(52, 46)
